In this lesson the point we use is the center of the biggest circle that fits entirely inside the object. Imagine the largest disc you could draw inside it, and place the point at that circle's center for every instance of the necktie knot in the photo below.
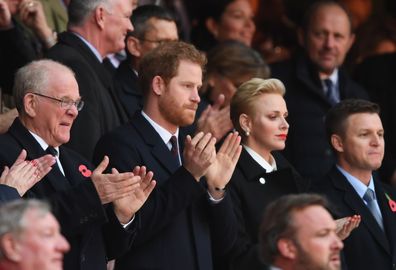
(52, 151)
(369, 196)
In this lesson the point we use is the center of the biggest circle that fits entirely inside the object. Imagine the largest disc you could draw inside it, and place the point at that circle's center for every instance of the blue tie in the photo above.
(331, 92)
(370, 199)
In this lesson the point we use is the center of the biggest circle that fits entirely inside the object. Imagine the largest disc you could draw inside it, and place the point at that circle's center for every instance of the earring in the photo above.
(247, 133)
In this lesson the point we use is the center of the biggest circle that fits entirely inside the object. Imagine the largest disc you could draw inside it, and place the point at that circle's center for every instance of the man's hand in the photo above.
(125, 208)
(5, 16)
(23, 174)
(215, 119)
(114, 186)
(220, 172)
(31, 13)
(199, 153)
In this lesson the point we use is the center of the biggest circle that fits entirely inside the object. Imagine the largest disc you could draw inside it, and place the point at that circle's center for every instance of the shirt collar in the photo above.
(164, 134)
(42, 143)
(333, 78)
(261, 161)
(356, 183)
(90, 46)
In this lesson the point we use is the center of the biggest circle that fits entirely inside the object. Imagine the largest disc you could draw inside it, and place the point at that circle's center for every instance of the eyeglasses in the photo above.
(65, 103)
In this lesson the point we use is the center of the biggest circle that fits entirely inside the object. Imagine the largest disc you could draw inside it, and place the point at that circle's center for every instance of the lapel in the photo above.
(307, 74)
(103, 75)
(34, 150)
(152, 139)
(356, 204)
(249, 167)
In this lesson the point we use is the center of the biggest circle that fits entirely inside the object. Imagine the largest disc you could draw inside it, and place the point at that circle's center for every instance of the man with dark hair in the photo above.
(315, 81)
(298, 233)
(95, 210)
(30, 237)
(181, 227)
(153, 25)
(96, 28)
(356, 134)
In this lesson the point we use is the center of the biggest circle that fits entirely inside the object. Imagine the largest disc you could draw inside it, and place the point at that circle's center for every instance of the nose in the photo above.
(130, 27)
(330, 41)
(72, 111)
(195, 95)
(63, 245)
(337, 243)
(376, 140)
(284, 125)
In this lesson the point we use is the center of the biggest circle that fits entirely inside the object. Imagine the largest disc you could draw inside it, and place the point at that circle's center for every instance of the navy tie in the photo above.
(331, 92)
(175, 148)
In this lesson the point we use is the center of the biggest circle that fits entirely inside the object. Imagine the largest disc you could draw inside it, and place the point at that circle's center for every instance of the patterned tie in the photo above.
(331, 92)
(175, 148)
(370, 199)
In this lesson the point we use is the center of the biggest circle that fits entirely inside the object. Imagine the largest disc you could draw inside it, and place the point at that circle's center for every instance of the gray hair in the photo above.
(79, 10)
(35, 78)
(12, 216)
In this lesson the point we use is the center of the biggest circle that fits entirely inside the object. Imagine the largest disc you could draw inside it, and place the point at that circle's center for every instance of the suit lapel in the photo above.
(249, 167)
(34, 150)
(357, 205)
(158, 148)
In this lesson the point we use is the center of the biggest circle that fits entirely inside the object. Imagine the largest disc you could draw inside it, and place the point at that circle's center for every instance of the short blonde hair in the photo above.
(248, 92)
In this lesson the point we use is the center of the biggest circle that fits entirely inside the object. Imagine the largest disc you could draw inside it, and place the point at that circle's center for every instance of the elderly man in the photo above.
(48, 101)
(30, 237)
(182, 227)
(153, 25)
(298, 233)
(356, 134)
(314, 82)
(96, 28)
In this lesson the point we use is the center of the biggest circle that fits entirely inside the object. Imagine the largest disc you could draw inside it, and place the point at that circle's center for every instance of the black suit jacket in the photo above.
(102, 111)
(368, 247)
(251, 197)
(306, 146)
(93, 232)
(127, 88)
(180, 229)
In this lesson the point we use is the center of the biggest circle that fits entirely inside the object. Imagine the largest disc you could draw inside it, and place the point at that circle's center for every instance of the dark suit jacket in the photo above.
(127, 88)
(368, 247)
(180, 229)
(250, 199)
(102, 111)
(376, 74)
(306, 146)
(93, 232)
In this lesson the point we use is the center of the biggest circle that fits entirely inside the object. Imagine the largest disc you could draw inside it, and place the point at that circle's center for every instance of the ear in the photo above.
(212, 26)
(158, 85)
(99, 16)
(133, 46)
(245, 122)
(10, 248)
(30, 105)
(351, 41)
(287, 249)
(336, 142)
(301, 37)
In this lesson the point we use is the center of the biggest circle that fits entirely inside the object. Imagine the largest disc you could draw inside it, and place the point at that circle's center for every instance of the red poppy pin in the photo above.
(392, 203)
(84, 170)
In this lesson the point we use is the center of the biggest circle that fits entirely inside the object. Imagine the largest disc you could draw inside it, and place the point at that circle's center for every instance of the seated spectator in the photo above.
(315, 81)
(96, 211)
(298, 232)
(223, 20)
(30, 237)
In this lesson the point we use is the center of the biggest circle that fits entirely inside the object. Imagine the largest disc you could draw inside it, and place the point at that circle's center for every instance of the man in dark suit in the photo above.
(357, 137)
(187, 220)
(48, 101)
(314, 82)
(95, 29)
(153, 25)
